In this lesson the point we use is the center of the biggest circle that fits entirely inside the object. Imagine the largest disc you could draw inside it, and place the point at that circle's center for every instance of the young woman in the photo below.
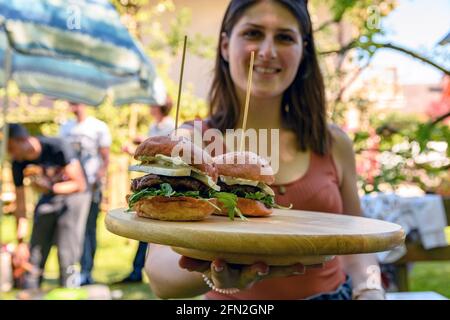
(316, 167)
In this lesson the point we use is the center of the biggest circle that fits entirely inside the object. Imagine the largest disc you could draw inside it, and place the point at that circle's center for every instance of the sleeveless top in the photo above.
(316, 190)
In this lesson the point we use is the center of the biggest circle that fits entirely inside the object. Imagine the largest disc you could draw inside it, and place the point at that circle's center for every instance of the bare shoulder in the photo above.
(342, 144)
(342, 151)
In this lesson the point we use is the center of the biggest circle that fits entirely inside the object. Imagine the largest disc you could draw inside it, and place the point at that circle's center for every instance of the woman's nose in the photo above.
(267, 50)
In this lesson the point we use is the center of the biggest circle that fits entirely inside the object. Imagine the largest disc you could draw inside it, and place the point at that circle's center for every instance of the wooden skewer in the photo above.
(180, 84)
(247, 98)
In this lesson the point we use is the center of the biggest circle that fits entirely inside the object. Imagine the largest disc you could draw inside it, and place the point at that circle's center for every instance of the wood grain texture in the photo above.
(288, 233)
(242, 258)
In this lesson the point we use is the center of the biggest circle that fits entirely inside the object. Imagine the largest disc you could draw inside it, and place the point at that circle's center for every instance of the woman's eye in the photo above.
(252, 34)
(286, 38)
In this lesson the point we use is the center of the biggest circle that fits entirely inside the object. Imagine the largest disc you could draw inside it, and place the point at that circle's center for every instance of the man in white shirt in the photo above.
(91, 140)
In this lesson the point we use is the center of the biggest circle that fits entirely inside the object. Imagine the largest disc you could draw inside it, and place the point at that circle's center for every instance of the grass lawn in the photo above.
(113, 261)
(431, 276)
(115, 255)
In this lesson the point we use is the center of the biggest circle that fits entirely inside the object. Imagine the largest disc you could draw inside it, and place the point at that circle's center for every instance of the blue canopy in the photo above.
(75, 50)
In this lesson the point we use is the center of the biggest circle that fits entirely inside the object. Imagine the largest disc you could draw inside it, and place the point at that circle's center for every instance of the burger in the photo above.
(246, 177)
(178, 180)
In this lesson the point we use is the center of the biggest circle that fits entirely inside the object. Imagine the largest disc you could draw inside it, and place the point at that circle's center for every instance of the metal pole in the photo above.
(4, 142)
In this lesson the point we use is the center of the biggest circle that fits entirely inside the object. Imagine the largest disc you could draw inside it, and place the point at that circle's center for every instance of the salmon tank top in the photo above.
(316, 190)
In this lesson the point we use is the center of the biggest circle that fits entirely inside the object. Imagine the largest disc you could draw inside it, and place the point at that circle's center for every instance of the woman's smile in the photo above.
(273, 33)
(266, 70)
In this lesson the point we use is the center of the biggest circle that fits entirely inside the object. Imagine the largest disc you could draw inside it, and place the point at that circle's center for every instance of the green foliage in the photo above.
(348, 33)
(403, 147)
(113, 261)
(144, 20)
(339, 8)
(406, 151)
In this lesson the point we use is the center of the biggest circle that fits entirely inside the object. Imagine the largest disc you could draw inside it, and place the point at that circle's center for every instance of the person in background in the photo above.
(61, 212)
(91, 140)
(163, 125)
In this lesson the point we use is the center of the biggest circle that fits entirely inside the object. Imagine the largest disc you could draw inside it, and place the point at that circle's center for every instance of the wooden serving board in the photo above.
(283, 238)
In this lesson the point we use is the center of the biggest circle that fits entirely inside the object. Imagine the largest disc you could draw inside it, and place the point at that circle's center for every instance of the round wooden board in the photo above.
(285, 237)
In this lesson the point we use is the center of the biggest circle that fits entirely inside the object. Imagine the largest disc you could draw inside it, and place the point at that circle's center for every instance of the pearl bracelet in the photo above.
(222, 291)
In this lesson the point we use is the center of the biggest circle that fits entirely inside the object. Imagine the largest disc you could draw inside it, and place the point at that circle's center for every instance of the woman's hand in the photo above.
(225, 275)
(371, 294)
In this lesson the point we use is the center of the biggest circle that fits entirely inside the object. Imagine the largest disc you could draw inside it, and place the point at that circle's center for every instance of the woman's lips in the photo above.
(266, 70)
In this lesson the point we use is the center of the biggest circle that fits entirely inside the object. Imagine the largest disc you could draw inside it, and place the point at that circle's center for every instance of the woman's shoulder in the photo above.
(342, 151)
(341, 141)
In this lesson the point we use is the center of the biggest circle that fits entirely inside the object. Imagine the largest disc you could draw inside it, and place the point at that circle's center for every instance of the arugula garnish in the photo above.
(268, 200)
(229, 201)
(165, 190)
(257, 196)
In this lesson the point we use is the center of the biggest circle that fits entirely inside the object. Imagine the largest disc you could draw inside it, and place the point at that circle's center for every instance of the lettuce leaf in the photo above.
(268, 200)
(165, 190)
(229, 201)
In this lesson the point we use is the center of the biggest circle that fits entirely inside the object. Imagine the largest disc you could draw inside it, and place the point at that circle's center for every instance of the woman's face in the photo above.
(273, 32)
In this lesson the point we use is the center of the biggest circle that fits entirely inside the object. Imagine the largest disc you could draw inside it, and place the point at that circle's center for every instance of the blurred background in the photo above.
(386, 65)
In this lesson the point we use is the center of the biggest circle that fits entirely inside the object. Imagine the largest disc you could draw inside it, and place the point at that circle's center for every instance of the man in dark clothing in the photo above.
(61, 212)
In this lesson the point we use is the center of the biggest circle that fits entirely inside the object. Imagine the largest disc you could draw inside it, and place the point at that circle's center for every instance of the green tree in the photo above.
(347, 42)
(143, 19)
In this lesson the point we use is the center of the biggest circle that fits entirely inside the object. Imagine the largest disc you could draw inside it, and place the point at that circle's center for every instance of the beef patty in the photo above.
(177, 183)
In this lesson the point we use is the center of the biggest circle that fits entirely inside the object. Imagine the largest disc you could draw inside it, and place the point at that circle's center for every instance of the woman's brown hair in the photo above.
(305, 111)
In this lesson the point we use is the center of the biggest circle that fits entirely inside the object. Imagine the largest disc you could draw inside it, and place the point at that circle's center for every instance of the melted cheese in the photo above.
(261, 185)
(232, 181)
(178, 165)
(162, 170)
(205, 179)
